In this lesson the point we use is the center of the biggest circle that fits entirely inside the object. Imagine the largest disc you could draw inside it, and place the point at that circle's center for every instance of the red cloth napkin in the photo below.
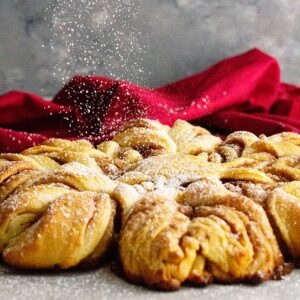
(240, 93)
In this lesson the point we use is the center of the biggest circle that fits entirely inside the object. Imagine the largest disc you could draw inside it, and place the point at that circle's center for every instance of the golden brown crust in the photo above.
(69, 231)
(283, 206)
(191, 207)
(38, 161)
(227, 238)
(47, 217)
(253, 172)
(191, 139)
(57, 145)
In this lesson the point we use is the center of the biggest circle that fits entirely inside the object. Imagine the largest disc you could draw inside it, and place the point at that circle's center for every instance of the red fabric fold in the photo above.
(239, 93)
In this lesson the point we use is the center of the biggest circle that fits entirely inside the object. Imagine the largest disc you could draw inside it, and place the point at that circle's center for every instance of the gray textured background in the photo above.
(43, 43)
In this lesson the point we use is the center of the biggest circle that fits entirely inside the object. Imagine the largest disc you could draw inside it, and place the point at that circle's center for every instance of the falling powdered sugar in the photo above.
(94, 37)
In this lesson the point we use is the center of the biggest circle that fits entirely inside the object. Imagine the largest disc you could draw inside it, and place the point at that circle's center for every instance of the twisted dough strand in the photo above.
(48, 218)
(75, 228)
(226, 238)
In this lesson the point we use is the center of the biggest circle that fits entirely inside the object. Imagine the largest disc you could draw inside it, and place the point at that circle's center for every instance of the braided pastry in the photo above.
(150, 138)
(191, 208)
(38, 161)
(188, 168)
(108, 157)
(57, 145)
(146, 136)
(283, 209)
(58, 217)
(64, 151)
(234, 145)
(76, 227)
(224, 237)
(117, 159)
(246, 144)
(191, 139)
